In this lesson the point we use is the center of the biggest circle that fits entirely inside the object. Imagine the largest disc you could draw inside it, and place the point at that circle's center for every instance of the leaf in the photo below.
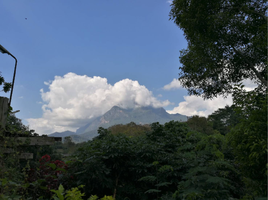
(152, 191)
(148, 178)
(59, 192)
(61, 169)
(163, 184)
(155, 163)
(52, 165)
(93, 197)
(107, 198)
(80, 172)
(61, 188)
(165, 168)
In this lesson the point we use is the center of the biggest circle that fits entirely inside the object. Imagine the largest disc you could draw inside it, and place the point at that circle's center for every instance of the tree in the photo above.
(6, 85)
(209, 174)
(224, 119)
(200, 124)
(249, 140)
(15, 125)
(141, 167)
(68, 141)
(131, 129)
(227, 43)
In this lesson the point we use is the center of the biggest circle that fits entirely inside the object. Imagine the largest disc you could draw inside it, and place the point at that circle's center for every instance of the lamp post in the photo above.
(3, 50)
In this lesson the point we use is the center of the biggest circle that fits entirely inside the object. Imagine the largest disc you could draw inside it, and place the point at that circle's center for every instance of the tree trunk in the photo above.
(3, 112)
(116, 183)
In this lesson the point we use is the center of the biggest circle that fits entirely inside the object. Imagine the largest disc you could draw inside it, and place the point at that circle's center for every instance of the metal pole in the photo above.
(13, 81)
(3, 50)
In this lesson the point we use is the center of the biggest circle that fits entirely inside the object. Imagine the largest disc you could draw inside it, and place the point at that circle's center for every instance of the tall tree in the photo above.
(200, 124)
(224, 119)
(227, 43)
(249, 140)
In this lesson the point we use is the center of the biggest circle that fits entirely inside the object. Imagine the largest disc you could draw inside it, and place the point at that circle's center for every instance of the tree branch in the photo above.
(251, 66)
(249, 11)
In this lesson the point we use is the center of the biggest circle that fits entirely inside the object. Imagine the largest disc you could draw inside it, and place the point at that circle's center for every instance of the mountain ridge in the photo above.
(118, 115)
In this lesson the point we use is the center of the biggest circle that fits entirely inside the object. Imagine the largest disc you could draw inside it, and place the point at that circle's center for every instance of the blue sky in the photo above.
(72, 54)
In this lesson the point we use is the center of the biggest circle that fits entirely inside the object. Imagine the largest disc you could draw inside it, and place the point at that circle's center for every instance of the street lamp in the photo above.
(3, 50)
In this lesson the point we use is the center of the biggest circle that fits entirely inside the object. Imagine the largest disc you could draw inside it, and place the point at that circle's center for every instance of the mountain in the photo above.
(117, 115)
(75, 137)
(62, 134)
(140, 115)
(83, 128)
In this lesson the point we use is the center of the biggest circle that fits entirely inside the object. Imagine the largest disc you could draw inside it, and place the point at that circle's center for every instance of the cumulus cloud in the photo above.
(170, 1)
(194, 105)
(73, 99)
(249, 84)
(175, 84)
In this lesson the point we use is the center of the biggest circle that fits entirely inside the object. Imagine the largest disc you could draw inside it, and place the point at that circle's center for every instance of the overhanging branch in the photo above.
(252, 67)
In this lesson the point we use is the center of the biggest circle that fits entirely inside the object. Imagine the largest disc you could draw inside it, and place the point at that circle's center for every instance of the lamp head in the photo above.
(3, 50)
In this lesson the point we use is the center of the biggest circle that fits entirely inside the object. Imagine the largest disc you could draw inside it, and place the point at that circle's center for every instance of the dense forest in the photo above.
(203, 158)
(222, 156)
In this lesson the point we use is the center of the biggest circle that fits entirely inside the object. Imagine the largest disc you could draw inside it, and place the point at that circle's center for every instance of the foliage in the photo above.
(15, 127)
(11, 178)
(177, 160)
(95, 197)
(227, 43)
(224, 119)
(208, 172)
(6, 85)
(249, 139)
(171, 158)
(114, 163)
(46, 176)
(200, 124)
(73, 194)
(18, 177)
(102, 164)
(130, 129)
(68, 146)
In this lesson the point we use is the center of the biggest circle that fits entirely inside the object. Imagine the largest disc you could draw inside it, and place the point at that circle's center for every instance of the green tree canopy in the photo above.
(227, 43)
(249, 139)
(200, 124)
(6, 85)
(224, 119)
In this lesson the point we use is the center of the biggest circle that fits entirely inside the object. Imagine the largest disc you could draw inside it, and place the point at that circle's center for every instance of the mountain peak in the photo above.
(138, 115)
(117, 115)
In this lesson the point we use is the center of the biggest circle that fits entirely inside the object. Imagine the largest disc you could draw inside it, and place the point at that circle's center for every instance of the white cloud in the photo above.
(170, 1)
(249, 85)
(48, 82)
(73, 99)
(175, 84)
(194, 105)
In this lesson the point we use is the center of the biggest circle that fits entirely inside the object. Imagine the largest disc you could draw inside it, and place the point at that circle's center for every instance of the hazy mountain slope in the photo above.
(62, 134)
(83, 128)
(75, 138)
(141, 115)
(117, 115)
